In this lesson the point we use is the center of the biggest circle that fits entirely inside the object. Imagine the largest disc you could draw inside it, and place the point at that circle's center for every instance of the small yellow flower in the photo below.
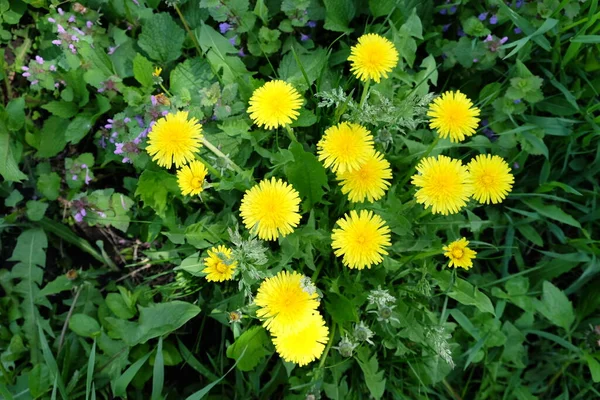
(443, 184)
(304, 345)
(453, 114)
(285, 305)
(373, 57)
(274, 104)
(271, 207)
(361, 239)
(369, 181)
(174, 139)
(345, 146)
(157, 71)
(191, 178)
(459, 254)
(491, 178)
(219, 265)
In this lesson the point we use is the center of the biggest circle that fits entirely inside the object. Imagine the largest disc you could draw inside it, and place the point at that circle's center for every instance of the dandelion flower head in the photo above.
(373, 57)
(370, 180)
(345, 146)
(174, 139)
(453, 115)
(191, 178)
(304, 345)
(219, 265)
(459, 254)
(274, 104)
(491, 178)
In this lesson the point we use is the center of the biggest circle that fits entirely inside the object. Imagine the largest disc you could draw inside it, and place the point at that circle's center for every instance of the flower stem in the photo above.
(426, 154)
(364, 93)
(290, 133)
(189, 31)
(209, 167)
(220, 154)
(329, 344)
(165, 90)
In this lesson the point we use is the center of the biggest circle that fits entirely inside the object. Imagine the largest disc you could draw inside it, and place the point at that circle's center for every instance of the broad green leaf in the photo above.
(15, 111)
(78, 128)
(84, 325)
(339, 14)
(551, 211)
(13, 199)
(117, 305)
(49, 185)
(62, 109)
(161, 38)
(142, 70)
(36, 210)
(555, 306)
(52, 137)
(594, 367)
(463, 292)
(250, 348)
(154, 187)
(370, 367)
(8, 165)
(340, 308)
(189, 78)
(307, 175)
(119, 385)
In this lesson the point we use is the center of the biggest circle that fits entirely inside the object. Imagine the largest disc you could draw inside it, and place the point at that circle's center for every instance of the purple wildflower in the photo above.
(60, 28)
(153, 100)
(102, 142)
(444, 11)
(26, 74)
(51, 20)
(126, 160)
(460, 32)
(60, 11)
(494, 19)
(475, 60)
(517, 101)
(84, 166)
(78, 217)
(119, 149)
(303, 37)
(72, 48)
(489, 38)
(452, 10)
(446, 27)
(241, 53)
(232, 40)
(483, 16)
(24, 68)
(519, 3)
(39, 60)
(112, 50)
(311, 24)
(74, 177)
(140, 121)
(165, 113)
(504, 40)
(126, 120)
(83, 212)
(74, 38)
(56, 85)
(71, 19)
(52, 68)
(57, 42)
(517, 30)
(89, 24)
(35, 82)
(79, 31)
(516, 165)
(224, 27)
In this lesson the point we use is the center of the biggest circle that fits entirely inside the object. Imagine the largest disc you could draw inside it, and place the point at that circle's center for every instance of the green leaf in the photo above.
(13, 199)
(158, 373)
(8, 165)
(36, 210)
(60, 284)
(594, 367)
(52, 137)
(84, 325)
(78, 128)
(552, 212)
(340, 308)
(117, 305)
(15, 110)
(119, 385)
(370, 368)
(49, 185)
(339, 13)
(307, 175)
(261, 11)
(154, 187)
(250, 348)
(382, 8)
(463, 292)
(142, 70)
(291, 68)
(474, 27)
(63, 109)
(555, 306)
(155, 320)
(51, 364)
(161, 38)
(189, 78)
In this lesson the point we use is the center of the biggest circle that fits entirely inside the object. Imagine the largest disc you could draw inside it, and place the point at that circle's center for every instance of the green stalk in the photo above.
(189, 31)
(364, 93)
(329, 344)
(210, 168)
(427, 152)
(220, 154)
(290, 133)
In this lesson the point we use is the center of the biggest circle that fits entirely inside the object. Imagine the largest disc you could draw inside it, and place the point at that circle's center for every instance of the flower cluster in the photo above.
(288, 305)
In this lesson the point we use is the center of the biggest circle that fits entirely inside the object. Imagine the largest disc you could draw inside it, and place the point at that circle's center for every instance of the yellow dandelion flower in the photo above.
(459, 254)
(491, 178)
(271, 207)
(345, 146)
(174, 139)
(191, 178)
(453, 114)
(369, 181)
(444, 184)
(219, 265)
(274, 104)
(157, 71)
(361, 239)
(285, 303)
(373, 57)
(304, 345)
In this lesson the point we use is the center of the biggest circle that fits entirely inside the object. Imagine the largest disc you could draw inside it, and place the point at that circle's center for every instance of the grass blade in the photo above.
(90, 371)
(52, 366)
(120, 385)
(158, 376)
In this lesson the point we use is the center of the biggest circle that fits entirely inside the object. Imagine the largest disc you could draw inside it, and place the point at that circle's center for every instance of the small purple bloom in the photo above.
(56, 85)
(60, 11)
(153, 100)
(52, 20)
(57, 42)
(127, 120)
(137, 140)
(165, 113)
(482, 16)
(84, 166)
(114, 134)
(34, 82)
(87, 177)
(475, 60)
(74, 38)
(71, 19)
(460, 32)
(26, 74)
(446, 27)
(311, 24)
(89, 24)
(519, 3)
(303, 37)
(444, 11)
(517, 30)
(53, 68)
(119, 149)
(140, 121)
(101, 214)
(74, 177)
(39, 60)
(24, 68)
(111, 50)
(102, 142)
(516, 165)
(504, 40)
(83, 212)
(517, 101)
(78, 217)
(489, 38)
(60, 28)
(241, 53)
(493, 19)
(79, 31)
(72, 47)
(224, 27)
(126, 160)
(452, 10)
(108, 126)
(232, 40)
(101, 90)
